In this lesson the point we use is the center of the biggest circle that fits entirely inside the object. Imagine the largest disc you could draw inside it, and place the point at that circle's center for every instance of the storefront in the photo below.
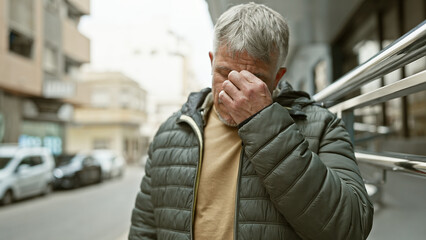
(46, 134)
(34, 122)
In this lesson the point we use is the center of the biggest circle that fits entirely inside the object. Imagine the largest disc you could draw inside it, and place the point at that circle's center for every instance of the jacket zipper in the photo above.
(197, 131)
(237, 195)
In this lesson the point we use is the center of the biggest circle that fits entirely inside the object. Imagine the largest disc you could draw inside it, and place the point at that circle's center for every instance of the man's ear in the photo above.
(211, 58)
(279, 75)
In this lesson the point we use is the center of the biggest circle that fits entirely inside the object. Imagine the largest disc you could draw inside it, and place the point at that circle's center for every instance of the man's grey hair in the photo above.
(254, 28)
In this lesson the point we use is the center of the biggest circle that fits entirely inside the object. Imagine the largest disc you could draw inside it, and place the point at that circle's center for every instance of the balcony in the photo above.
(81, 95)
(82, 5)
(58, 89)
(99, 116)
(20, 75)
(75, 45)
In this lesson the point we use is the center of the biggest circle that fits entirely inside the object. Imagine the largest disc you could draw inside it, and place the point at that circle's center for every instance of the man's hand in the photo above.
(243, 95)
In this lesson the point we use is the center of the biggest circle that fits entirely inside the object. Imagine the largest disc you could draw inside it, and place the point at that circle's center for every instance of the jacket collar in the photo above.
(293, 100)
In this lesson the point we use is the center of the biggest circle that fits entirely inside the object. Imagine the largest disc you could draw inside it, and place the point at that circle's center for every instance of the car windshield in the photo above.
(4, 161)
(103, 155)
(63, 160)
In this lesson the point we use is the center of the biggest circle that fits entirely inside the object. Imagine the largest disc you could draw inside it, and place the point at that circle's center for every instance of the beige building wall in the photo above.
(20, 74)
(87, 115)
(124, 139)
(82, 138)
(82, 5)
(75, 44)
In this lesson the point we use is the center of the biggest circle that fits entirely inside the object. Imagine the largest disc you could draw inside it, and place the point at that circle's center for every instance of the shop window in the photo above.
(414, 13)
(54, 143)
(20, 44)
(42, 134)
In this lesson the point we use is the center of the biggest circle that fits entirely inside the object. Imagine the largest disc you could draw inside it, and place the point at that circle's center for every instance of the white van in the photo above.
(24, 172)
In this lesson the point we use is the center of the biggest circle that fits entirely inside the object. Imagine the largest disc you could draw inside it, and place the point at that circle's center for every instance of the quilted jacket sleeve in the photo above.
(322, 194)
(143, 225)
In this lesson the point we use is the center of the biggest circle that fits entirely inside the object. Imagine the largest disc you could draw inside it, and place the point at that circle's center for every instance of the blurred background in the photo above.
(84, 85)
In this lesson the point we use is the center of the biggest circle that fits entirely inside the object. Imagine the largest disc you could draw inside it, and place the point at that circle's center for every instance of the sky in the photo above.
(143, 39)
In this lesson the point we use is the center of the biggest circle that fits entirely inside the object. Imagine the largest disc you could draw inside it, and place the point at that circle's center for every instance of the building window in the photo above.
(100, 98)
(125, 98)
(21, 27)
(20, 44)
(72, 69)
(50, 60)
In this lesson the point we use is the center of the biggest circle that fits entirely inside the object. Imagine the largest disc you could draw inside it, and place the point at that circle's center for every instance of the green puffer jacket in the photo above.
(298, 178)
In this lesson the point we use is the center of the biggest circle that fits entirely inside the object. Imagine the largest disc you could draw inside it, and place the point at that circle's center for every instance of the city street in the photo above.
(93, 212)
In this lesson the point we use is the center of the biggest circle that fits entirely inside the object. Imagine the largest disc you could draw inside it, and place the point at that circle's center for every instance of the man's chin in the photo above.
(230, 123)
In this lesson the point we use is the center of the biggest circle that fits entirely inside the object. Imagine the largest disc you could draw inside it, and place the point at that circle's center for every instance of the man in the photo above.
(237, 162)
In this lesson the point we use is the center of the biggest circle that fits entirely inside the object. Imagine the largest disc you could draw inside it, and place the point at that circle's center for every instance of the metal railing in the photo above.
(406, 49)
(403, 51)
(397, 164)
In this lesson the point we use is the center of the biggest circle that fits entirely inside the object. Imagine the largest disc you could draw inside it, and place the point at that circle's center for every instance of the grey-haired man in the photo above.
(248, 160)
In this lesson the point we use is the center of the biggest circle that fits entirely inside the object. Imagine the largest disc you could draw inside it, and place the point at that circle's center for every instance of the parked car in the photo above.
(24, 172)
(76, 170)
(112, 163)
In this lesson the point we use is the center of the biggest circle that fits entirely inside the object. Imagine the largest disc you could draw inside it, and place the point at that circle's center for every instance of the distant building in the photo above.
(41, 51)
(111, 114)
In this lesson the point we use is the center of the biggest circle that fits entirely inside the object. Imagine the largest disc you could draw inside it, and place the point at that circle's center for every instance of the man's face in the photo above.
(223, 63)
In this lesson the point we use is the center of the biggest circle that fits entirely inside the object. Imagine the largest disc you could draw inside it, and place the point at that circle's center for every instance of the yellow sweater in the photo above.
(215, 209)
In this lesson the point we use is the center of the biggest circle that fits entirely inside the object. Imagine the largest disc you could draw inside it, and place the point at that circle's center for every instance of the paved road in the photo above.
(97, 212)
(402, 214)
(102, 212)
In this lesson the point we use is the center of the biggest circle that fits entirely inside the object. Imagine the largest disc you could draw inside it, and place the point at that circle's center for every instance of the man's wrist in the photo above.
(241, 124)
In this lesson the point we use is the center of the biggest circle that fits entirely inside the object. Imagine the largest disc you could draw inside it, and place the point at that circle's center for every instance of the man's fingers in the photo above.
(225, 98)
(256, 83)
(237, 79)
(249, 76)
(230, 89)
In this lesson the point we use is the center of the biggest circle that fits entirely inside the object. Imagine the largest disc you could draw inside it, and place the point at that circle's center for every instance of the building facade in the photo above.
(111, 115)
(41, 51)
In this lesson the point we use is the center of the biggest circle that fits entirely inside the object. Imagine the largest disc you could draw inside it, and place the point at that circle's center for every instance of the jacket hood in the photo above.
(291, 99)
(284, 94)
